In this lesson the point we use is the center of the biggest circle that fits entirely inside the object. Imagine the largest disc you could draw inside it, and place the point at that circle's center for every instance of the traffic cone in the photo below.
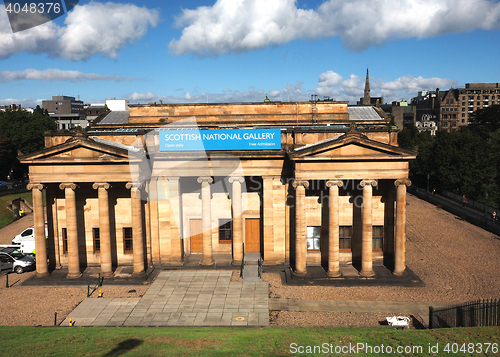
(100, 294)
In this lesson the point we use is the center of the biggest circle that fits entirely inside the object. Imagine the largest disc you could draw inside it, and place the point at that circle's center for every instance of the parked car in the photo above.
(3, 186)
(12, 259)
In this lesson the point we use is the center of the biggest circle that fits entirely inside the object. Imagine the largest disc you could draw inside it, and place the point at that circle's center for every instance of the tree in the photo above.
(25, 132)
(486, 120)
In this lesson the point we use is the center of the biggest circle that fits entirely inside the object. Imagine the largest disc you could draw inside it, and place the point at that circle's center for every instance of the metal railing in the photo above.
(469, 314)
(260, 267)
(242, 261)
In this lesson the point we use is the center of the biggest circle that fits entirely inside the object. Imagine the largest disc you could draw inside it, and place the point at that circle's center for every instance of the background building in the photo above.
(68, 111)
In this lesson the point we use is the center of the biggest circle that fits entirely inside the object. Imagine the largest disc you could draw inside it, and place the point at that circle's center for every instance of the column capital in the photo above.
(172, 178)
(406, 182)
(36, 186)
(208, 179)
(65, 185)
(234, 179)
(104, 185)
(297, 183)
(331, 183)
(364, 183)
(137, 185)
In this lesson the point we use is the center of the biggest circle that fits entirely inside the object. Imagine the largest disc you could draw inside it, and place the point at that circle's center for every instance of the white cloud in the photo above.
(243, 25)
(90, 29)
(329, 79)
(55, 74)
(104, 28)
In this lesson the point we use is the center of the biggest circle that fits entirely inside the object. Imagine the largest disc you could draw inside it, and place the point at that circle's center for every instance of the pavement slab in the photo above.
(182, 298)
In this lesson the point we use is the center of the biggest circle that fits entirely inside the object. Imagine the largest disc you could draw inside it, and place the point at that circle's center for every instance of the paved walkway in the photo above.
(182, 298)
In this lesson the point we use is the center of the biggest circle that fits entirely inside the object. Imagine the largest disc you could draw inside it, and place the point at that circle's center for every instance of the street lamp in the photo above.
(485, 211)
(428, 177)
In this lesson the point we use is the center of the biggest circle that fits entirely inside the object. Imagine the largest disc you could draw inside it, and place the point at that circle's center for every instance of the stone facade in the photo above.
(334, 192)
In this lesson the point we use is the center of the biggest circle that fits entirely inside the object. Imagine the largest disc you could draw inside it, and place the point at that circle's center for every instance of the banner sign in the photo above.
(224, 139)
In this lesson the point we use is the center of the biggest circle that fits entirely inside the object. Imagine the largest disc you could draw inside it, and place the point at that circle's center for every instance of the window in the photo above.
(225, 230)
(128, 243)
(345, 233)
(377, 237)
(97, 240)
(65, 240)
(313, 237)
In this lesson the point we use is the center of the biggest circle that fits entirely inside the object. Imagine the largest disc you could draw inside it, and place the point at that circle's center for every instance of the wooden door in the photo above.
(196, 232)
(252, 235)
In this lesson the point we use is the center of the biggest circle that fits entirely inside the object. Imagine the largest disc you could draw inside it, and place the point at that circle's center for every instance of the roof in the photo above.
(363, 113)
(115, 117)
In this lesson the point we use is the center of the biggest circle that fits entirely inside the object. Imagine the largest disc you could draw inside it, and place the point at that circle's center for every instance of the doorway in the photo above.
(252, 235)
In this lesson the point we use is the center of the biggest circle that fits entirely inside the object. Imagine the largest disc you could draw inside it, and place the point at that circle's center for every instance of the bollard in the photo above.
(70, 322)
(55, 318)
(99, 283)
(100, 294)
(88, 289)
(7, 280)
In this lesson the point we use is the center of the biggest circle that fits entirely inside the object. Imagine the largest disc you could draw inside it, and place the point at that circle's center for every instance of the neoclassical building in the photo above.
(305, 183)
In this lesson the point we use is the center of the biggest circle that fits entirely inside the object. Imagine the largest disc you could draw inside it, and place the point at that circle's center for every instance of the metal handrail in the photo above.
(260, 267)
(242, 261)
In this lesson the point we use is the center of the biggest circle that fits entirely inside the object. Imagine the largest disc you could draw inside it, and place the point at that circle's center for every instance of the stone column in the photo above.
(400, 241)
(137, 235)
(104, 228)
(71, 230)
(55, 229)
(268, 216)
(333, 228)
(42, 268)
(366, 216)
(300, 227)
(206, 220)
(237, 219)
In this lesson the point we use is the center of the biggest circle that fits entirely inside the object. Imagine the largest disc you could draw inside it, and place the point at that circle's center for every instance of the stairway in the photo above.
(251, 269)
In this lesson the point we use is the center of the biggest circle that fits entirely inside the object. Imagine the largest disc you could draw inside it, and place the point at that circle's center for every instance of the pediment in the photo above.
(79, 150)
(351, 146)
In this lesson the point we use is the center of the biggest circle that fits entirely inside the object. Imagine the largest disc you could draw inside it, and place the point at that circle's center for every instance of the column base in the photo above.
(367, 273)
(300, 273)
(397, 273)
(73, 275)
(208, 263)
(334, 274)
(140, 274)
(236, 262)
(106, 275)
(42, 275)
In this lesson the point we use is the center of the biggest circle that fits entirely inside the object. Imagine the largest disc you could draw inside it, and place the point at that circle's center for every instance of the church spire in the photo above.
(367, 99)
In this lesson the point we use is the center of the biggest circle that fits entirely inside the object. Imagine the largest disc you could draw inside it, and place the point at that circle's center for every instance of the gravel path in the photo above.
(456, 260)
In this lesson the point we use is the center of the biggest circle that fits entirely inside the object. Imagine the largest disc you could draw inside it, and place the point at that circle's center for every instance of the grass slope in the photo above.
(7, 216)
(136, 341)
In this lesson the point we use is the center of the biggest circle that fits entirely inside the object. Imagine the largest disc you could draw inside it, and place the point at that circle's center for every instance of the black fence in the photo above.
(469, 314)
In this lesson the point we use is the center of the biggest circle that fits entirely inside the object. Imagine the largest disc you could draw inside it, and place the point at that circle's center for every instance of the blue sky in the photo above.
(241, 50)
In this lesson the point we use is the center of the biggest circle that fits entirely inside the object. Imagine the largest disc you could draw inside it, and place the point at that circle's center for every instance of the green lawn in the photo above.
(239, 341)
(7, 216)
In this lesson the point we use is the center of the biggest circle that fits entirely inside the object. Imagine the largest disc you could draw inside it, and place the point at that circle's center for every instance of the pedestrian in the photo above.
(434, 192)
(494, 217)
(464, 200)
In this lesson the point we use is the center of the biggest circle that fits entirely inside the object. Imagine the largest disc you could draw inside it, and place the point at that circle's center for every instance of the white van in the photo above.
(26, 240)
